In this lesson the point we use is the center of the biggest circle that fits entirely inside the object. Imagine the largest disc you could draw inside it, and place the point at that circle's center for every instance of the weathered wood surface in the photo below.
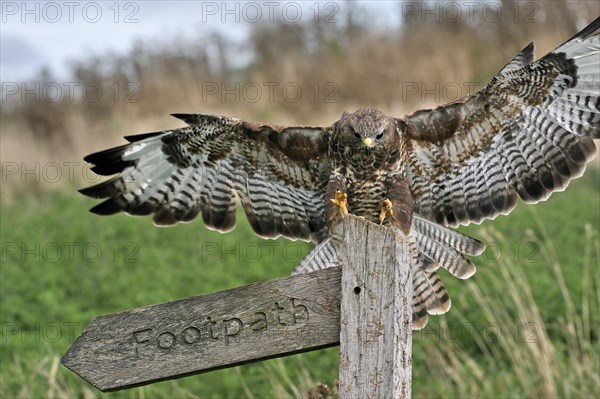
(208, 332)
(377, 290)
(271, 319)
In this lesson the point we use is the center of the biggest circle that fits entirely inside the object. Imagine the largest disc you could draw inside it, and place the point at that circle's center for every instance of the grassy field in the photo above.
(525, 325)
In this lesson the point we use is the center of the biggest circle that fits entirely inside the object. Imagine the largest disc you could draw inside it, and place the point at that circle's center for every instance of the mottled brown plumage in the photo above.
(525, 135)
(369, 174)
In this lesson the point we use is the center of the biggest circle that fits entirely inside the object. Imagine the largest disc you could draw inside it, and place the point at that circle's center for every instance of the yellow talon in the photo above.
(340, 200)
(386, 207)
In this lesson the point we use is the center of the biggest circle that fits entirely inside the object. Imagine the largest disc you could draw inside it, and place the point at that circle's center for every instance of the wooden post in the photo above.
(366, 307)
(376, 311)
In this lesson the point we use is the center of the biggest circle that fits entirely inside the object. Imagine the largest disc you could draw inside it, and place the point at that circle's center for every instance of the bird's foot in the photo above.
(386, 207)
(340, 200)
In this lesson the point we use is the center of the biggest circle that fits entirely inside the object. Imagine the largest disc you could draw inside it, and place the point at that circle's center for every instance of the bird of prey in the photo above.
(525, 134)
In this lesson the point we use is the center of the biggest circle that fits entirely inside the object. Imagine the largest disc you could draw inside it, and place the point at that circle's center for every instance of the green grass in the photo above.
(525, 325)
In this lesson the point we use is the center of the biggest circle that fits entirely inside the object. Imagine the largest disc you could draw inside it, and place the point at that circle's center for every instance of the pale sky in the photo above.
(50, 33)
(37, 33)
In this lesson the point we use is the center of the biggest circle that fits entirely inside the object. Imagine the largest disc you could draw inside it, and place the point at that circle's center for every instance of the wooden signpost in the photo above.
(365, 306)
(377, 297)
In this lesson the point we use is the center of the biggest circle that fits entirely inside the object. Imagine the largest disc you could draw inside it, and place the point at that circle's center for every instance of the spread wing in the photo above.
(278, 173)
(526, 134)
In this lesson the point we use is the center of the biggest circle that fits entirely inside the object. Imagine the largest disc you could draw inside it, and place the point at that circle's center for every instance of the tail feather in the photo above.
(429, 297)
(323, 256)
(447, 257)
(441, 234)
(438, 246)
(440, 292)
(443, 247)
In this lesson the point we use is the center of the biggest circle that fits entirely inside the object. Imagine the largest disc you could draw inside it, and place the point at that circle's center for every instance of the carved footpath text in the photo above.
(281, 317)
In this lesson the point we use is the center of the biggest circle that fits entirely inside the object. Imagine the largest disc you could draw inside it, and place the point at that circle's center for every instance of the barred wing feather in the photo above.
(525, 135)
(278, 173)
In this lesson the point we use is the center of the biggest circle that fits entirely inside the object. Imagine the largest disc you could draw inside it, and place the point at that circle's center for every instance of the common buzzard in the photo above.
(526, 134)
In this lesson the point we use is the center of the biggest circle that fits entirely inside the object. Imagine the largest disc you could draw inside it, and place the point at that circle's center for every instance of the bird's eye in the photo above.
(379, 136)
(357, 135)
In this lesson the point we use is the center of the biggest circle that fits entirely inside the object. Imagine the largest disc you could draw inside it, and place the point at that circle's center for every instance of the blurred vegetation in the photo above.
(353, 63)
(526, 325)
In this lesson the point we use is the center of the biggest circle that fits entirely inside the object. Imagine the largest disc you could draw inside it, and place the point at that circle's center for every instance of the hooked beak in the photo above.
(368, 142)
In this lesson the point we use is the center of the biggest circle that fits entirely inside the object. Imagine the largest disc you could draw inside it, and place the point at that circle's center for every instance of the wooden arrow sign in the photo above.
(207, 332)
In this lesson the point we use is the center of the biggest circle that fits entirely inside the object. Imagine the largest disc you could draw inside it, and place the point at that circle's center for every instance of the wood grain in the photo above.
(272, 319)
(207, 332)
(377, 290)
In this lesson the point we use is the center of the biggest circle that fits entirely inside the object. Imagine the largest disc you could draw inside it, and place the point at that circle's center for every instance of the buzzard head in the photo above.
(366, 136)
